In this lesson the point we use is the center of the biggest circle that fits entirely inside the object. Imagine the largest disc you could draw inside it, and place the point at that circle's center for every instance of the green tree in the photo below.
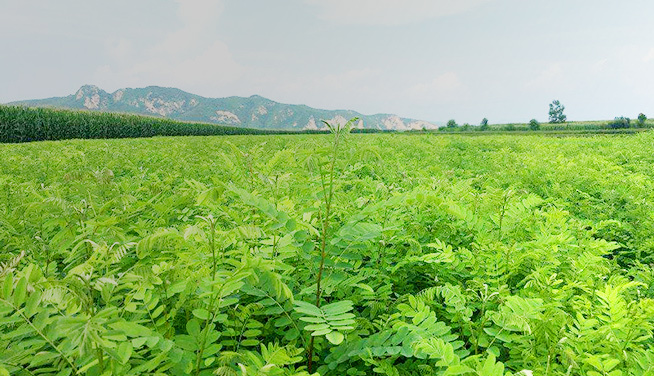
(556, 112)
(483, 126)
(534, 125)
(641, 119)
(452, 123)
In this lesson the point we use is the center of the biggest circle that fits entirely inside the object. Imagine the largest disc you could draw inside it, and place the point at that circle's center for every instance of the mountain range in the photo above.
(250, 112)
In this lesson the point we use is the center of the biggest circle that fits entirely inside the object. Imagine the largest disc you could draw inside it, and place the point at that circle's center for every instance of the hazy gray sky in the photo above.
(427, 59)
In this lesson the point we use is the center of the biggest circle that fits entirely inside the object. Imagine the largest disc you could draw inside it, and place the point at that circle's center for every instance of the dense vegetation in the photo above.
(370, 254)
(24, 124)
(618, 125)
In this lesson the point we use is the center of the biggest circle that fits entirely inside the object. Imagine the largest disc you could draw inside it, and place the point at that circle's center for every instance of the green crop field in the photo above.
(338, 254)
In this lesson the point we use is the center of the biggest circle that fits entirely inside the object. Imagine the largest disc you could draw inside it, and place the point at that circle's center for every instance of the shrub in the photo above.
(620, 122)
(534, 125)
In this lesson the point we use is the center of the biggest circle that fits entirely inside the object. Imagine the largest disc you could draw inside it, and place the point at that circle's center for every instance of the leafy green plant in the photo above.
(486, 255)
(331, 320)
(324, 217)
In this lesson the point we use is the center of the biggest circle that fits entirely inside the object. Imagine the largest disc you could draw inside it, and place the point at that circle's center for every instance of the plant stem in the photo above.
(98, 354)
(323, 240)
(212, 245)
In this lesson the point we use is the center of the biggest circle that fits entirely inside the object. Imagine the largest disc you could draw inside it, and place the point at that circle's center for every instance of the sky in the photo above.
(433, 60)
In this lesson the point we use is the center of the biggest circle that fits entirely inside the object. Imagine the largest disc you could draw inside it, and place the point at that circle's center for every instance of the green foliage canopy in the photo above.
(490, 255)
(556, 114)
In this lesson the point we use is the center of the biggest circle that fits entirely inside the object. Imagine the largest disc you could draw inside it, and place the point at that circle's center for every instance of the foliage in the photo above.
(452, 123)
(484, 123)
(641, 119)
(620, 122)
(556, 114)
(23, 124)
(437, 255)
(534, 125)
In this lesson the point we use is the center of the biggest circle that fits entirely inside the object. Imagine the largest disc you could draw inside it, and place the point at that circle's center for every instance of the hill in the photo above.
(250, 112)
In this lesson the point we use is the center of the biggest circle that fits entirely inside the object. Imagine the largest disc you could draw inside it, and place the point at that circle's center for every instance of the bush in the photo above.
(452, 123)
(620, 122)
(641, 119)
(534, 125)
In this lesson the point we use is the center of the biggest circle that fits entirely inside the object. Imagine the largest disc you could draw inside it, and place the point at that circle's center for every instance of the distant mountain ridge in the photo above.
(250, 112)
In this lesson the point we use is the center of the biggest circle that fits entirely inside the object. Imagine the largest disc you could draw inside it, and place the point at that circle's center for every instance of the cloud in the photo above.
(199, 13)
(551, 77)
(198, 20)
(189, 57)
(352, 78)
(199, 72)
(390, 12)
(443, 87)
(649, 56)
(350, 88)
(600, 66)
(118, 49)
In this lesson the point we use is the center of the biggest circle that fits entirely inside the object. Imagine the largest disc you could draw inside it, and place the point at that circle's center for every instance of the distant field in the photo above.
(429, 253)
(23, 124)
(549, 132)
(599, 126)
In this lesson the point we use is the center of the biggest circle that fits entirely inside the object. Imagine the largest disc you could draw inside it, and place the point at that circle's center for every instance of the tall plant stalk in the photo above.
(327, 183)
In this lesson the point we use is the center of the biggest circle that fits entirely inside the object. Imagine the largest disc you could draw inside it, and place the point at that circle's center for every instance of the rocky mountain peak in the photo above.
(252, 112)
